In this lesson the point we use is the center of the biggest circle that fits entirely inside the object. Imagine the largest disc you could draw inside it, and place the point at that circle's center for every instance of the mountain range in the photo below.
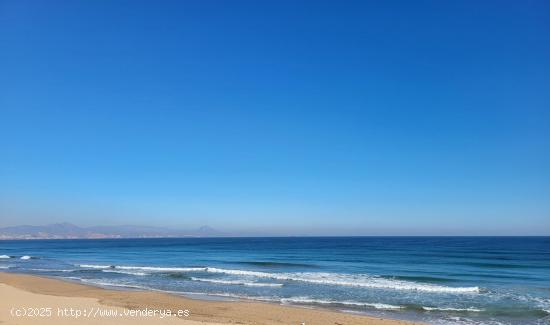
(70, 231)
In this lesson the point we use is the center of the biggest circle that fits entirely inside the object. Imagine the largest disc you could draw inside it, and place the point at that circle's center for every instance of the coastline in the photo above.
(33, 291)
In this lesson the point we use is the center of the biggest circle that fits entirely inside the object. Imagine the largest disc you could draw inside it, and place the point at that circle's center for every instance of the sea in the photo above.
(437, 280)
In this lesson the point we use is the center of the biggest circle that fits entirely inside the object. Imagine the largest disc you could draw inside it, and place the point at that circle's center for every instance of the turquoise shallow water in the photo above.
(440, 280)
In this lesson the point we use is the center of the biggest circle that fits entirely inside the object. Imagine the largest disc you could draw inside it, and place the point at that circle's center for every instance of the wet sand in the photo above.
(25, 293)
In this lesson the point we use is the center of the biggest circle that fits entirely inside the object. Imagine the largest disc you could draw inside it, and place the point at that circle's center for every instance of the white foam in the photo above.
(51, 270)
(4, 267)
(359, 280)
(5, 256)
(466, 321)
(26, 257)
(471, 309)
(307, 300)
(236, 296)
(352, 280)
(112, 284)
(125, 272)
(161, 269)
(93, 266)
(234, 282)
(143, 268)
(72, 278)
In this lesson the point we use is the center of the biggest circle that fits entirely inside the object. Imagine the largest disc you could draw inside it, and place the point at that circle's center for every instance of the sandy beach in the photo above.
(28, 299)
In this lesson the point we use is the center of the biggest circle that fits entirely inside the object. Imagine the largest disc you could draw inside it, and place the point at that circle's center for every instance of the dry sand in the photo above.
(20, 293)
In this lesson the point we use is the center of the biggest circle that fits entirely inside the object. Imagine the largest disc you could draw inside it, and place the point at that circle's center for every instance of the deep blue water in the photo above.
(441, 280)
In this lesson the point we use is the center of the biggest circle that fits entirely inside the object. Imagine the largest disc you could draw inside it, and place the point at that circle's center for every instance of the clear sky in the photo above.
(290, 117)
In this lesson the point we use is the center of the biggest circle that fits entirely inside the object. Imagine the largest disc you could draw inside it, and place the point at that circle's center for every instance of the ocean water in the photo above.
(438, 280)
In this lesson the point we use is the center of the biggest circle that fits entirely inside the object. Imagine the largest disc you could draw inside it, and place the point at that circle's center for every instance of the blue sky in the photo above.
(298, 117)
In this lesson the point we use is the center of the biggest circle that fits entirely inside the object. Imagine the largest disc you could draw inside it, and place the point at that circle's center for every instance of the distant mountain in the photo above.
(70, 231)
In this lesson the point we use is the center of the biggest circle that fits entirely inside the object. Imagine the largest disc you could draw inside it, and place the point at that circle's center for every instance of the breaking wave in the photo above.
(321, 278)
(124, 272)
(307, 300)
(470, 309)
(236, 282)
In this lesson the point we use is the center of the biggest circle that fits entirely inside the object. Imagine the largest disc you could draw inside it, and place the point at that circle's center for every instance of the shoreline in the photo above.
(34, 289)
